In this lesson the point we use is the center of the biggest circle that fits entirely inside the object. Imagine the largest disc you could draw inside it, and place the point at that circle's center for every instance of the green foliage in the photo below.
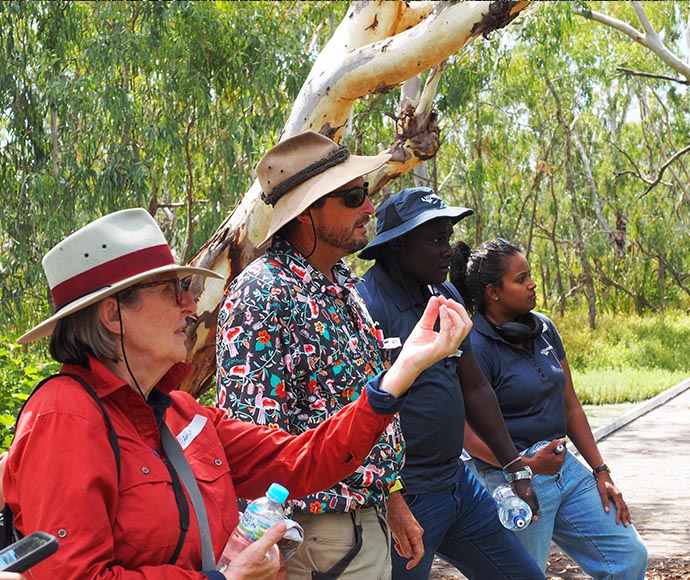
(572, 190)
(627, 341)
(20, 371)
(629, 357)
(163, 105)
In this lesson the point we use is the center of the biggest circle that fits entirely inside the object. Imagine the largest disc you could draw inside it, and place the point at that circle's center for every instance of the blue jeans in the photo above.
(570, 513)
(461, 526)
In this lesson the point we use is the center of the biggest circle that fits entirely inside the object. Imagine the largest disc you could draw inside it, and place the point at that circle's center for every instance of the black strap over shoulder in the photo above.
(9, 532)
(112, 435)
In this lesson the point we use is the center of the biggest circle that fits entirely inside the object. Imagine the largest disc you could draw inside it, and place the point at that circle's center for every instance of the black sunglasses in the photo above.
(352, 197)
(179, 286)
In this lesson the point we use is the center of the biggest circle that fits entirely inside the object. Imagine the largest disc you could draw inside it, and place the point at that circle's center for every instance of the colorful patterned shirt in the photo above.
(292, 349)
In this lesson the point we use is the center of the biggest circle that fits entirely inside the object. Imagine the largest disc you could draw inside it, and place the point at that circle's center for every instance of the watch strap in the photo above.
(525, 473)
(603, 467)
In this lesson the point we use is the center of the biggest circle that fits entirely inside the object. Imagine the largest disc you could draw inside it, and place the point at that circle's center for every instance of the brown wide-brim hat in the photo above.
(106, 256)
(304, 168)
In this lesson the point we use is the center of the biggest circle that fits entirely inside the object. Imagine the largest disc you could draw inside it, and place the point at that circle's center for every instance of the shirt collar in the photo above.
(400, 298)
(345, 279)
(104, 382)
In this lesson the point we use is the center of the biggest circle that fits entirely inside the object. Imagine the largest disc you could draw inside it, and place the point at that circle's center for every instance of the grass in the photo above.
(628, 358)
(611, 386)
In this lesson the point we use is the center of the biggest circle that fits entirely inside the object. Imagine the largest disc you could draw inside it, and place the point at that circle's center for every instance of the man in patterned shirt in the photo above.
(295, 344)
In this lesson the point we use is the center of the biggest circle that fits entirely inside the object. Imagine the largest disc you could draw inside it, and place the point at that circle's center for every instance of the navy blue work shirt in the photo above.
(433, 417)
(529, 382)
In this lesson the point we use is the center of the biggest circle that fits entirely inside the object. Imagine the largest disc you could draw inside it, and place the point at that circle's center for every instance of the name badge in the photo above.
(189, 433)
(392, 342)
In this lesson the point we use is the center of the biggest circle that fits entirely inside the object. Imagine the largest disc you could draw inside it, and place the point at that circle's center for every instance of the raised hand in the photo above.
(425, 346)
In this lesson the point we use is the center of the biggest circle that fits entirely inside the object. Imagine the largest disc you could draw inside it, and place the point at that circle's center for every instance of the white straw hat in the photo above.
(102, 258)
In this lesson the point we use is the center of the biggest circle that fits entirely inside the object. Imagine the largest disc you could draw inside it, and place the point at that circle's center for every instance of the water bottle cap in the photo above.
(277, 493)
(520, 522)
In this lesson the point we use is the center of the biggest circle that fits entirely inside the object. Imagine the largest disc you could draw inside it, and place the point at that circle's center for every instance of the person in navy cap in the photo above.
(457, 516)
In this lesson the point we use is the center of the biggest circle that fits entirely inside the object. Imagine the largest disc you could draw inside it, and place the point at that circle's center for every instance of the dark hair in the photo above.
(471, 271)
(286, 231)
(82, 333)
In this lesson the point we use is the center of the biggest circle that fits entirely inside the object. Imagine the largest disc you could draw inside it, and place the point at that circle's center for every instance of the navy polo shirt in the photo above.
(529, 382)
(433, 417)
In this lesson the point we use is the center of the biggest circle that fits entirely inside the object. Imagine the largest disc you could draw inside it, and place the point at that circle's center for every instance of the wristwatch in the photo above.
(603, 467)
(525, 473)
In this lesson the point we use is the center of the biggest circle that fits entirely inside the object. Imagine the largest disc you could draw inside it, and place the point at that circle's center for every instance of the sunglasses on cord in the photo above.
(180, 286)
(352, 197)
(496, 244)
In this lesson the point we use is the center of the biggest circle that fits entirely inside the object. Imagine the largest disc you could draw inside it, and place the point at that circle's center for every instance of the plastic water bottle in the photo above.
(560, 448)
(260, 515)
(513, 512)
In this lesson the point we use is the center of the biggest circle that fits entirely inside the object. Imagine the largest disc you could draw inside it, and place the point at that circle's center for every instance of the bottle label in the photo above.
(502, 493)
(253, 527)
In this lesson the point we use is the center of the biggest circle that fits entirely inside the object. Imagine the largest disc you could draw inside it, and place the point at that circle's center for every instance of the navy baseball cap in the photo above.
(407, 210)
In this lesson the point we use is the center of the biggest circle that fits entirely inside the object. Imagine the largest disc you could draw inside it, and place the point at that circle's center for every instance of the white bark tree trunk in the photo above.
(377, 47)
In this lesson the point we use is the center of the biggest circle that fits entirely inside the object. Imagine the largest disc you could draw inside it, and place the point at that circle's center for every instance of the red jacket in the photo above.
(62, 477)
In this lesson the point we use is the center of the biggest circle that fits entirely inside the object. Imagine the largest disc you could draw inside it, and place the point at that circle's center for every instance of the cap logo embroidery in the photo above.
(433, 200)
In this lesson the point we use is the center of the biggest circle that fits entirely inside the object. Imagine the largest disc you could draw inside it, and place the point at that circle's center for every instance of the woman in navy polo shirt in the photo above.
(523, 358)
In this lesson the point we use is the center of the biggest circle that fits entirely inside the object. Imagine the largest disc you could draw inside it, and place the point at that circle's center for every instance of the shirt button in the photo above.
(145, 470)
(218, 462)
(62, 533)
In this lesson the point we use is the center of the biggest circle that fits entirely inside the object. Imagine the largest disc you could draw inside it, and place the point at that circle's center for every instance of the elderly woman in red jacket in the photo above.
(90, 468)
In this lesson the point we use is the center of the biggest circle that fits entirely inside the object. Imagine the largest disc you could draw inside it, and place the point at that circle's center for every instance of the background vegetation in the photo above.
(546, 133)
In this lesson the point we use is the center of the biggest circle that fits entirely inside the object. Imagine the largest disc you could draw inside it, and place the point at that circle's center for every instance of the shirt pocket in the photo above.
(207, 459)
(147, 519)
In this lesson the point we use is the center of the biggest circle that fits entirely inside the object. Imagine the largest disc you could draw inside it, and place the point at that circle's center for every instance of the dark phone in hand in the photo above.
(27, 552)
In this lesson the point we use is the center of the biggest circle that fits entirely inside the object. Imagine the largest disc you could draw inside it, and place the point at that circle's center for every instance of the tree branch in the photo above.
(663, 168)
(649, 39)
(652, 75)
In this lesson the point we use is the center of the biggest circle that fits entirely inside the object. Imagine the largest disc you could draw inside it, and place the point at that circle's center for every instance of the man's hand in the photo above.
(405, 529)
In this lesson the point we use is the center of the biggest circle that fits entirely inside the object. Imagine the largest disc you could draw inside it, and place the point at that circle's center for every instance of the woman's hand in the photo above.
(11, 576)
(260, 560)
(608, 491)
(425, 346)
(545, 461)
(523, 489)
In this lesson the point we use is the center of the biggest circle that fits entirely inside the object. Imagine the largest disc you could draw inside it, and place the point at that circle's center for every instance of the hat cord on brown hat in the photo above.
(338, 156)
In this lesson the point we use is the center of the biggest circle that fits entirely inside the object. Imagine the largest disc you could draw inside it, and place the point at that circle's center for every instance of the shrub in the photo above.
(20, 371)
